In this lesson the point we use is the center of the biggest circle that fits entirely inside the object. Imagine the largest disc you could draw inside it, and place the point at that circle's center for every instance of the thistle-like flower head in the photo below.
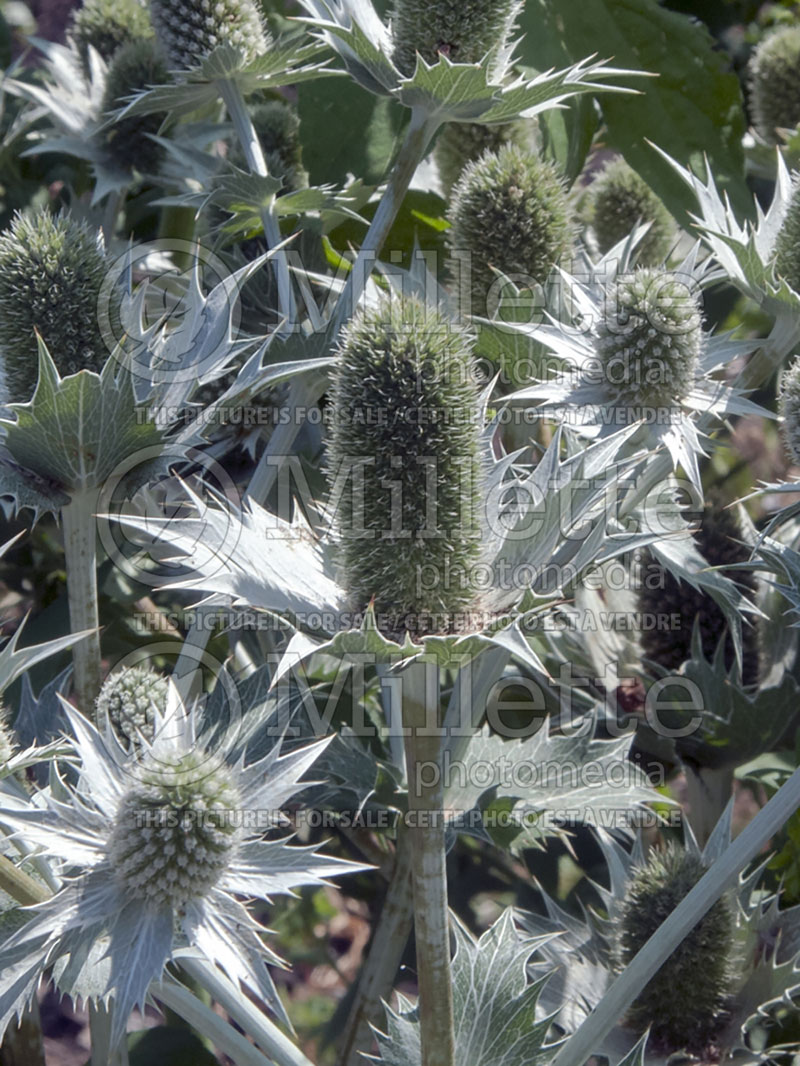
(406, 409)
(107, 25)
(787, 245)
(460, 143)
(619, 200)
(130, 699)
(789, 405)
(775, 82)
(51, 272)
(277, 125)
(190, 30)
(682, 1010)
(650, 340)
(465, 31)
(136, 66)
(509, 212)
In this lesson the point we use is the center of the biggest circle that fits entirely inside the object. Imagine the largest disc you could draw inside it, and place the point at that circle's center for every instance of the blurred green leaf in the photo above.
(168, 1046)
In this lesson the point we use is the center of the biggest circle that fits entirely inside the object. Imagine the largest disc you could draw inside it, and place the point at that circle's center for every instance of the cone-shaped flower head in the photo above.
(789, 407)
(775, 82)
(106, 25)
(509, 211)
(175, 833)
(405, 429)
(190, 30)
(135, 67)
(787, 246)
(461, 143)
(51, 272)
(464, 31)
(720, 542)
(649, 340)
(277, 125)
(6, 740)
(129, 700)
(619, 200)
(685, 1002)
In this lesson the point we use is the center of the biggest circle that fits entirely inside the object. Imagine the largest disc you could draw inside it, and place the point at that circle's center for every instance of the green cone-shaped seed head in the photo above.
(405, 409)
(789, 408)
(649, 340)
(175, 831)
(136, 66)
(107, 25)
(720, 540)
(775, 83)
(51, 272)
(509, 211)
(277, 125)
(460, 143)
(619, 200)
(684, 1003)
(190, 30)
(464, 31)
(787, 246)
(6, 738)
(129, 699)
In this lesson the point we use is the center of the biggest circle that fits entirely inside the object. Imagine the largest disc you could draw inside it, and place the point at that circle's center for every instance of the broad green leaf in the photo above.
(169, 1045)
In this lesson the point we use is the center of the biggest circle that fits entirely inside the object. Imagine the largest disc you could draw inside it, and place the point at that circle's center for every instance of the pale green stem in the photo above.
(376, 980)
(206, 1021)
(23, 1044)
(646, 964)
(254, 1022)
(80, 550)
(426, 833)
(248, 138)
(100, 1021)
(21, 886)
(113, 205)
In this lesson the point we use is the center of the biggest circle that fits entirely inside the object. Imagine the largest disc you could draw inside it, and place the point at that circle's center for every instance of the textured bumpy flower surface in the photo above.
(190, 30)
(684, 1005)
(51, 272)
(277, 125)
(160, 844)
(107, 25)
(465, 31)
(135, 67)
(618, 201)
(775, 82)
(406, 408)
(460, 143)
(130, 699)
(789, 406)
(787, 245)
(509, 212)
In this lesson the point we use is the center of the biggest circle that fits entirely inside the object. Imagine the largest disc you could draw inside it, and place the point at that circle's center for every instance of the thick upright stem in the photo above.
(426, 831)
(248, 138)
(80, 549)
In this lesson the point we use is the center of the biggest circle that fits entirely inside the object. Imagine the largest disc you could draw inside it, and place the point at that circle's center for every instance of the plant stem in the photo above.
(254, 1022)
(23, 1044)
(248, 138)
(80, 549)
(724, 873)
(376, 980)
(100, 1020)
(426, 831)
(206, 1021)
(21, 886)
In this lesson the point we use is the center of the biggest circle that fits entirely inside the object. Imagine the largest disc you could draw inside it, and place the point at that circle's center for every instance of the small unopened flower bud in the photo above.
(775, 83)
(649, 340)
(136, 66)
(129, 699)
(107, 25)
(720, 540)
(277, 125)
(619, 200)
(684, 1004)
(509, 212)
(406, 432)
(175, 831)
(465, 31)
(461, 143)
(190, 30)
(51, 272)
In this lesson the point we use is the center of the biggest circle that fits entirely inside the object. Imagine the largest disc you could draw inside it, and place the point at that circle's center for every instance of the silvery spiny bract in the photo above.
(619, 199)
(6, 739)
(52, 268)
(775, 82)
(164, 841)
(130, 698)
(136, 66)
(460, 143)
(106, 25)
(509, 211)
(190, 30)
(465, 31)
(406, 407)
